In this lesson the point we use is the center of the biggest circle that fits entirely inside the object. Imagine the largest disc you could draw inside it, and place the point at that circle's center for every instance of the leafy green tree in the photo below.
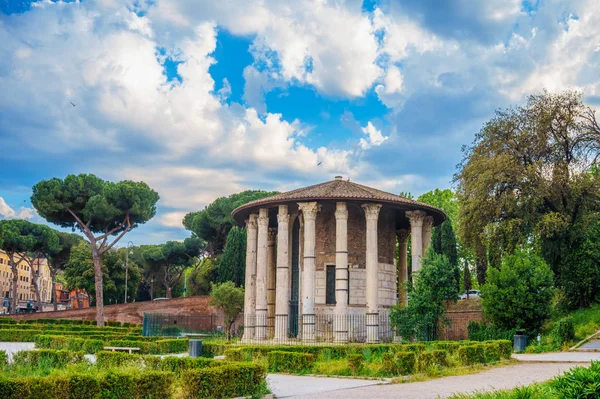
(230, 299)
(519, 294)
(527, 177)
(233, 262)
(58, 258)
(79, 273)
(202, 276)
(16, 239)
(172, 258)
(213, 223)
(433, 286)
(445, 200)
(95, 206)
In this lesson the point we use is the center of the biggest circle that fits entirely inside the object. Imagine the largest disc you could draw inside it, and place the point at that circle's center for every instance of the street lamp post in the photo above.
(129, 244)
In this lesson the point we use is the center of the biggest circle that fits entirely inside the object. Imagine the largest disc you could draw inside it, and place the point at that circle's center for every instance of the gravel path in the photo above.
(557, 357)
(499, 378)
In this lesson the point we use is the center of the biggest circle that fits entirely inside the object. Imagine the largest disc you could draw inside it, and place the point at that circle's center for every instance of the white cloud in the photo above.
(374, 137)
(7, 212)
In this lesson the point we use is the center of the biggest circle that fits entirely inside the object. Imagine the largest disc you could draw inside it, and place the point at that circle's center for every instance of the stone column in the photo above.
(372, 269)
(250, 279)
(341, 273)
(309, 214)
(271, 276)
(261, 275)
(282, 293)
(416, 237)
(427, 229)
(402, 235)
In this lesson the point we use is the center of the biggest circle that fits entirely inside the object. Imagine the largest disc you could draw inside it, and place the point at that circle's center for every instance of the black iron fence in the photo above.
(315, 329)
(171, 325)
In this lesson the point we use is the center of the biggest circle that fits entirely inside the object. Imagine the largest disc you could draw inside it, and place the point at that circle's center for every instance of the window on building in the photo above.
(330, 285)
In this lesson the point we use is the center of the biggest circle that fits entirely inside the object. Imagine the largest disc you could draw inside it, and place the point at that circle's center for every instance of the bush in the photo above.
(480, 331)
(47, 357)
(227, 381)
(171, 346)
(355, 362)
(505, 347)
(290, 361)
(491, 352)
(563, 331)
(448, 346)
(437, 358)
(399, 363)
(580, 382)
(234, 354)
(519, 294)
(471, 354)
(3, 359)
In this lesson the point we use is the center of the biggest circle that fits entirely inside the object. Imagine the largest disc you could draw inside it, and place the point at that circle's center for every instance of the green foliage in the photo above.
(355, 362)
(481, 331)
(539, 391)
(471, 354)
(3, 359)
(435, 358)
(527, 178)
(107, 360)
(434, 285)
(563, 331)
(230, 299)
(293, 362)
(405, 363)
(227, 381)
(519, 294)
(213, 223)
(578, 383)
(444, 243)
(202, 276)
(232, 265)
(49, 357)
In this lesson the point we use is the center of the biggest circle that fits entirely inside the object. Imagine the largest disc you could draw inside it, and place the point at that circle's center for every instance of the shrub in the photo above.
(471, 354)
(416, 348)
(405, 362)
(48, 357)
(448, 346)
(491, 352)
(505, 347)
(433, 358)
(290, 361)
(171, 346)
(179, 364)
(564, 331)
(227, 381)
(234, 354)
(481, 331)
(3, 359)
(579, 382)
(355, 362)
(106, 359)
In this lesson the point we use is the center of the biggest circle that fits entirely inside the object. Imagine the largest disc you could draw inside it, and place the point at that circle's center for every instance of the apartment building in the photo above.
(25, 288)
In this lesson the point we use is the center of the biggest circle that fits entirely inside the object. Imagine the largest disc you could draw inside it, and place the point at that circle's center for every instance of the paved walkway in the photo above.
(591, 345)
(499, 378)
(13, 347)
(557, 357)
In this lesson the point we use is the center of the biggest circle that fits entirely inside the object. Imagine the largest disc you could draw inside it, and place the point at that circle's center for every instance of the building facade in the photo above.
(26, 275)
(321, 261)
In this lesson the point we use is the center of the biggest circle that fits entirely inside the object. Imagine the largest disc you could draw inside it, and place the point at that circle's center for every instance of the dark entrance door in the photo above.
(293, 315)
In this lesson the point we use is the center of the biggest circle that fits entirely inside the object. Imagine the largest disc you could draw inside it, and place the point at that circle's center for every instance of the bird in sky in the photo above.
(72, 103)
(319, 164)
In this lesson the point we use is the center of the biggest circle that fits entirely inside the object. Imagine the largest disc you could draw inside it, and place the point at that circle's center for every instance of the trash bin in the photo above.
(195, 349)
(520, 342)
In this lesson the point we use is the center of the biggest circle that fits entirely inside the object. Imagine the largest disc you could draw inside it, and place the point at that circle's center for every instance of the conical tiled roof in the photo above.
(340, 189)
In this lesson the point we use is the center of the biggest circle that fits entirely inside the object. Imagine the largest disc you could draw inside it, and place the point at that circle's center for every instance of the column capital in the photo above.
(263, 217)
(415, 217)
(341, 211)
(428, 222)
(309, 209)
(271, 235)
(251, 221)
(371, 210)
(402, 234)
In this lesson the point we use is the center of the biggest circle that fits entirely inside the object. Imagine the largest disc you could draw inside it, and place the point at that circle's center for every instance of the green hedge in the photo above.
(471, 354)
(290, 361)
(106, 360)
(19, 335)
(580, 382)
(399, 363)
(227, 381)
(448, 346)
(355, 362)
(3, 359)
(68, 343)
(139, 385)
(7, 320)
(48, 357)
(437, 358)
(92, 346)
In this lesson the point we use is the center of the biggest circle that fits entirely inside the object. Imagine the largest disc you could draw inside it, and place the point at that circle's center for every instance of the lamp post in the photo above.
(129, 244)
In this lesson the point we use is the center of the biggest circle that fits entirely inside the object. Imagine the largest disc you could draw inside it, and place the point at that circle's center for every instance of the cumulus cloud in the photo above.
(374, 137)
(7, 212)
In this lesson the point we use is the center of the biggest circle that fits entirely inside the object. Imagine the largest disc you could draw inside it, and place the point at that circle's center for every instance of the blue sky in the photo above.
(204, 99)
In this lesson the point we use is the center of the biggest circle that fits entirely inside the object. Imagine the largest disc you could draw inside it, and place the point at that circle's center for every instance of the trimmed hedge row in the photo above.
(491, 351)
(106, 359)
(292, 362)
(399, 363)
(438, 358)
(228, 381)
(59, 327)
(18, 335)
(160, 346)
(49, 357)
(3, 359)
(9, 320)
(140, 385)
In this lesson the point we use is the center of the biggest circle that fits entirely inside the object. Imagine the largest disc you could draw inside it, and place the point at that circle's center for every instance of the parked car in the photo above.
(471, 294)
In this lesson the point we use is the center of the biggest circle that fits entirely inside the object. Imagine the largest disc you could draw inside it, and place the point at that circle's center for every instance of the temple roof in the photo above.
(339, 189)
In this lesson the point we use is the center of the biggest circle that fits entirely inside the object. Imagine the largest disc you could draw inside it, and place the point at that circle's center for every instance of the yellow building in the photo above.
(25, 289)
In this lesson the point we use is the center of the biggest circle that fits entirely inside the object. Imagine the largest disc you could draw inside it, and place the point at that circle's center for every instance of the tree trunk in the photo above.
(169, 294)
(53, 277)
(36, 287)
(98, 280)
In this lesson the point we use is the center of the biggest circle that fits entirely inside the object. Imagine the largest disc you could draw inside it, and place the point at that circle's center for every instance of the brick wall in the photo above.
(460, 314)
(134, 312)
